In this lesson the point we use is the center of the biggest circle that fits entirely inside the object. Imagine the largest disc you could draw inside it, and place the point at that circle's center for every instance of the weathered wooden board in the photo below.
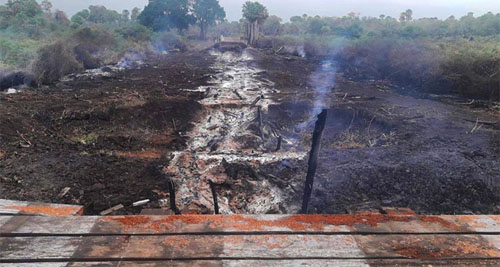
(248, 240)
(264, 263)
(248, 247)
(4, 220)
(12, 207)
(75, 225)
(482, 224)
(205, 263)
(192, 224)
(427, 246)
(179, 247)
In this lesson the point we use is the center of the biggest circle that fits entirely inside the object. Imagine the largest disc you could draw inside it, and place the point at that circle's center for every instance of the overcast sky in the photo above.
(288, 8)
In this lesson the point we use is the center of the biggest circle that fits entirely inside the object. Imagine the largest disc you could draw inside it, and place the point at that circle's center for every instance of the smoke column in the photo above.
(323, 81)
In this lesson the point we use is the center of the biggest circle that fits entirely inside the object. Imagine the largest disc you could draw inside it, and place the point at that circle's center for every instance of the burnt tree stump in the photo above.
(313, 158)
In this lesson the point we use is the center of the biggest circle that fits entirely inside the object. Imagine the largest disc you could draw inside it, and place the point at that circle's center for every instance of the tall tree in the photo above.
(406, 16)
(125, 15)
(135, 13)
(100, 14)
(161, 15)
(80, 18)
(46, 6)
(272, 26)
(255, 14)
(207, 12)
(22, 14)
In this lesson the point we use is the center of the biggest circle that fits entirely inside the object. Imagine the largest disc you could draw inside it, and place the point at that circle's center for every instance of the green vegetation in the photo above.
(207, 12)
(161, 15)
(454, 55)
(255, 14)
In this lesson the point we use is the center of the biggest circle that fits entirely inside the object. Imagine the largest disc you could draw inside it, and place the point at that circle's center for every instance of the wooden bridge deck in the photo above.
(395, 238)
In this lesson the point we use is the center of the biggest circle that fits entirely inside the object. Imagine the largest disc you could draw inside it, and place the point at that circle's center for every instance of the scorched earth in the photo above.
(199, 117)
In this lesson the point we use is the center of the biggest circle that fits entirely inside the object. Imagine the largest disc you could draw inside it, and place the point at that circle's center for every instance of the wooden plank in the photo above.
(427, 246)
(186, 224)
(432, 263)
(37, 264)
(248, 247)
(484, 224)
(178, 247)
(207, 263)
(48, 225)
(264, 263)
(375, 223)
(12, 207)
(39, 248)
(4, 220)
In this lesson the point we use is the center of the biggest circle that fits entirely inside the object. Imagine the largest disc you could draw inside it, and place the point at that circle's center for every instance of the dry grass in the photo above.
(349, 140)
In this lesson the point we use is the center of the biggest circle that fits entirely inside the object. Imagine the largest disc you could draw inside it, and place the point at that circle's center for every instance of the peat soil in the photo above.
(100, 141)
(103, 138)
(384, 148)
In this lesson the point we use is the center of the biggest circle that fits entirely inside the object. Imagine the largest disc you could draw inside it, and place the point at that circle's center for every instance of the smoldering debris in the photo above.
(225, 136)
(131, 60)
(15, 80)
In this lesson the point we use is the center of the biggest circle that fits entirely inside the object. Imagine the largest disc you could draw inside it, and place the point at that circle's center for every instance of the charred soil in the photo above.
(111, 140)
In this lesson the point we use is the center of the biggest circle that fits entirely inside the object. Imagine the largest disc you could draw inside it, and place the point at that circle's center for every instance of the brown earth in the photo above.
(107, 139)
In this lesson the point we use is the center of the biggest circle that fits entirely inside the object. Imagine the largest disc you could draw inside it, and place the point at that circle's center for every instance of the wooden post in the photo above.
(214, 195)
(280, 140)
(313, 158)
(173, 205)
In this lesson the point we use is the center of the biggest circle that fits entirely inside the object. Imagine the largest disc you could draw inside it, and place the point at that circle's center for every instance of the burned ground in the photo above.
(109, 139)
(104, 137)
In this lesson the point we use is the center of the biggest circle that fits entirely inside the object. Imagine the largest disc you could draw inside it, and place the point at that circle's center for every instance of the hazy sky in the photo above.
(288, 8)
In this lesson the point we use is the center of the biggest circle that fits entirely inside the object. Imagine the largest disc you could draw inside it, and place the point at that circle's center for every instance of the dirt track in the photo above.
(110, 140)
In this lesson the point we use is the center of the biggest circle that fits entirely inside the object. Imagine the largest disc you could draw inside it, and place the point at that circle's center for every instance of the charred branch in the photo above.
(256, 100)
(238, 95)
(280, 140)
(214, 196)
(173, 205)
(313, 159)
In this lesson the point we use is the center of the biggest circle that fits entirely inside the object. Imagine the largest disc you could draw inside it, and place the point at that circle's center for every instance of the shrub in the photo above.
(94, 37)
(17, 53)
(167, 41)
(53, 62)
(135, 33)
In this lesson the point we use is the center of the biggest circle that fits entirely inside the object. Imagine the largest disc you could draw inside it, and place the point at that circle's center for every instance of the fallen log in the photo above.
(313, 159)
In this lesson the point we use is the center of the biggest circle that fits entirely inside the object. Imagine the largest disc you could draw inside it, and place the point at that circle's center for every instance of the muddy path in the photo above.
(194, 118)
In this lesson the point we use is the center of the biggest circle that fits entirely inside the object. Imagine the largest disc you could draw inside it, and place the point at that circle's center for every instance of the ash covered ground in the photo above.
(193, 117)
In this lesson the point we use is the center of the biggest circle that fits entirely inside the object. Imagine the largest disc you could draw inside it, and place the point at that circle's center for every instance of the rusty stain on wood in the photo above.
(30, 208)
(397, 237)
